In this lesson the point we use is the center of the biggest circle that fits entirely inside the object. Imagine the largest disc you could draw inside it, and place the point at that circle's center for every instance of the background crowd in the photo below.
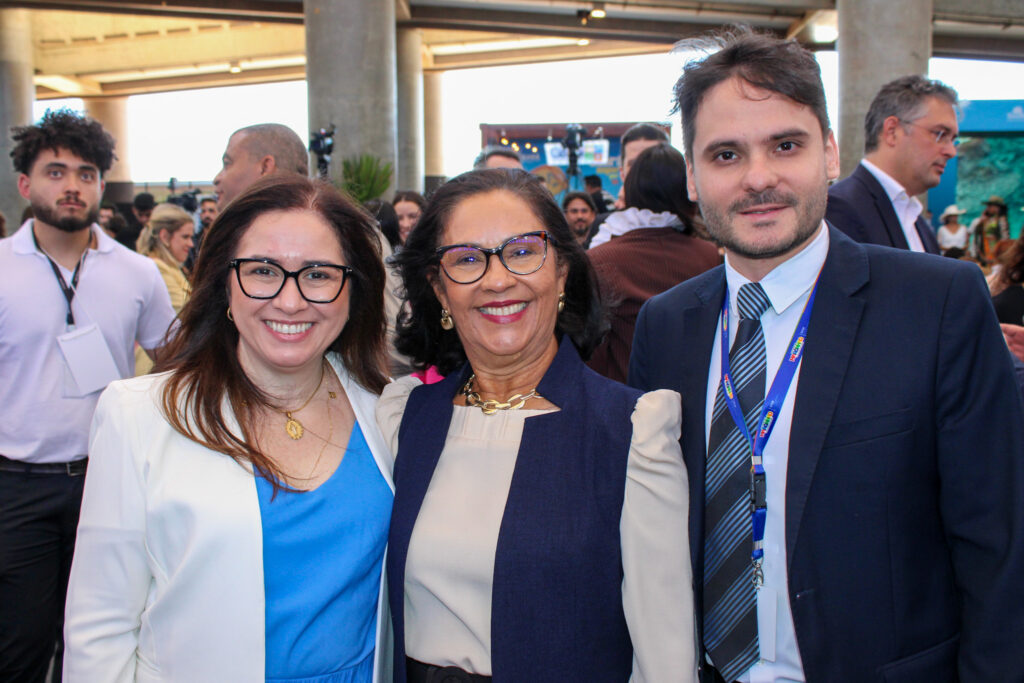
(219, 420)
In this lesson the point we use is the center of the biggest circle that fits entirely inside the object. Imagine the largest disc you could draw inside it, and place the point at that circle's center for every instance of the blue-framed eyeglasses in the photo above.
(520, 254)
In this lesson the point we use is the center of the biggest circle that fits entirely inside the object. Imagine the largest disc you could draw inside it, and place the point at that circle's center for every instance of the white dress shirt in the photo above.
(788, 288)
(907, 208)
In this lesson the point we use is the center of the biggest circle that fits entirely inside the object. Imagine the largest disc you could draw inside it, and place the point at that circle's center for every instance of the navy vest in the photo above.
(556, 606)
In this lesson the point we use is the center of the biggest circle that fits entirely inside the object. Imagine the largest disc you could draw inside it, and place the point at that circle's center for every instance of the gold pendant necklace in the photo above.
(490, 406)
(293, 427)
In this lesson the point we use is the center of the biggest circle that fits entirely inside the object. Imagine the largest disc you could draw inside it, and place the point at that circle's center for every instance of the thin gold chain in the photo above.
(293, 427)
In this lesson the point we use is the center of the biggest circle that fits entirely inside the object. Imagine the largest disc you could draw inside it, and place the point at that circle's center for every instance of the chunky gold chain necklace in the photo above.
(490, 406)
(292, 426)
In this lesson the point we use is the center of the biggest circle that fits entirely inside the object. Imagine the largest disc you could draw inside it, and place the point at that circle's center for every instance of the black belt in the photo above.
(418, 672)
(75, 468)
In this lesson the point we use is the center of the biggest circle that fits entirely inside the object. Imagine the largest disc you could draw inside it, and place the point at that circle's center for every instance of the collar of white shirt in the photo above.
(906, 205)
(790, 280)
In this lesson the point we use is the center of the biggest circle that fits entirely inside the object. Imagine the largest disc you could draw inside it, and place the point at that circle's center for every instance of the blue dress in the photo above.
(322, 558)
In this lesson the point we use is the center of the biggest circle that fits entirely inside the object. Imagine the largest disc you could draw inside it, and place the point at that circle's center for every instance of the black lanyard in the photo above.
(69, 292)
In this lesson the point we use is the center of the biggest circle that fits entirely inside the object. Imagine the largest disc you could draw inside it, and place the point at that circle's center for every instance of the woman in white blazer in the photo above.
(236, 506)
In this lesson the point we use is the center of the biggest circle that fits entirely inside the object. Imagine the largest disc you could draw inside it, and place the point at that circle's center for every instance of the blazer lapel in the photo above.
(421, 438)
(927, 235)
(363, 404)
(884, 207)
(687, 370)
(830, 337)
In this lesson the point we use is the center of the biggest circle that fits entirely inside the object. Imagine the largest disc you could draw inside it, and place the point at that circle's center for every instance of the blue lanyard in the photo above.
(769, 413)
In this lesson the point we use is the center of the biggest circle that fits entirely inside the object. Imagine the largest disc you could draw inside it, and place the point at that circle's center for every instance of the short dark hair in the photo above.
(82, 136)
(420, 335)
(657, 181)
(582, 196)
(642, 131)
(204, 200)
(202, 356)
(593, 181)
(494, 151)
(765, 62)
(144, 201)
(905, 99)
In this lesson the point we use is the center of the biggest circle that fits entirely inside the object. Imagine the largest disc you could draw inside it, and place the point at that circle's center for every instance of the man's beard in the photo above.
(809, 216)
(49, 216)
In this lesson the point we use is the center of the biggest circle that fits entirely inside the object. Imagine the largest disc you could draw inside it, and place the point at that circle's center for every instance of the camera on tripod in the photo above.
(187, 200)
(321, 143)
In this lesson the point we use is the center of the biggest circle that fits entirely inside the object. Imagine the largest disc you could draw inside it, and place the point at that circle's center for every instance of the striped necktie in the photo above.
(730, 604)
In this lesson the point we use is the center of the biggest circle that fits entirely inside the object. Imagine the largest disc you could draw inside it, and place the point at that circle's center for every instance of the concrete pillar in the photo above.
(410, 109)
(879, 40)
(350, 73)
(433, 130)
(112, 113)
(17, 93)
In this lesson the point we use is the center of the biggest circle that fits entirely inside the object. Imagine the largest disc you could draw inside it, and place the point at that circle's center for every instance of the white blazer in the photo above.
(167, 578)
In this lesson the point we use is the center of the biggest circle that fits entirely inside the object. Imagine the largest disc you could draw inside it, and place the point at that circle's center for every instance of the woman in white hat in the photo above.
(952, 234)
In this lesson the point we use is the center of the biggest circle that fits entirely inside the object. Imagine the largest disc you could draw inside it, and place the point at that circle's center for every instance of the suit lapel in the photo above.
(686, 369)
(884, 207)
(838, 307)
(927, 235)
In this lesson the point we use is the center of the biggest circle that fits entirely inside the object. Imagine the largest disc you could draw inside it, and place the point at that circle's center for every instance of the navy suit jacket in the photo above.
(905, 482)
(859, 206)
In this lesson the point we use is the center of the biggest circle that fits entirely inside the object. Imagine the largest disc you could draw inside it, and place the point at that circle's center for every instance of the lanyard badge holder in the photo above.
(85, 350)
(766, 423)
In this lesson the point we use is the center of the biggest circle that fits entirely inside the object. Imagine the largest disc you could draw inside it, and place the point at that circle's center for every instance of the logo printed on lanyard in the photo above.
(772, 405)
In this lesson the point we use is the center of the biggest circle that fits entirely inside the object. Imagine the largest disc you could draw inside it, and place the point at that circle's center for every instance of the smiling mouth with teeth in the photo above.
(503, 310)
(295, 328)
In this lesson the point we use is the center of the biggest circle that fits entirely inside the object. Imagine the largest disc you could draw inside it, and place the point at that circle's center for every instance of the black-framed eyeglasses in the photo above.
(942, 135)
(520, 254)
(263, 278)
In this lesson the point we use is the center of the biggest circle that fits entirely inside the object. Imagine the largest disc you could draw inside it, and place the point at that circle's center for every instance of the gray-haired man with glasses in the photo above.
(910, 133)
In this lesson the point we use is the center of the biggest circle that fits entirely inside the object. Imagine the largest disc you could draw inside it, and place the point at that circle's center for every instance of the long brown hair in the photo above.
(202, 356)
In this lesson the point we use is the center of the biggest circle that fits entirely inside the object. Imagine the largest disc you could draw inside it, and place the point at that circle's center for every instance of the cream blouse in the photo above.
(450, 563)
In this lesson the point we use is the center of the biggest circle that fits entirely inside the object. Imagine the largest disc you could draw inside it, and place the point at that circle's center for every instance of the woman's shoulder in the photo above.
(657, 426)
(660, 405)
(392, 402)
(135, 394)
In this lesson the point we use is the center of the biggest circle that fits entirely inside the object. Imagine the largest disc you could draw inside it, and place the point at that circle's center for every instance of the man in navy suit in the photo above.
(857, 485)
(910, 132)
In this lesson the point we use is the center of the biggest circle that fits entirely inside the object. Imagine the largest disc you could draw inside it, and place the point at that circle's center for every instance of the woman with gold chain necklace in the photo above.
(539, 531)
(236, 509)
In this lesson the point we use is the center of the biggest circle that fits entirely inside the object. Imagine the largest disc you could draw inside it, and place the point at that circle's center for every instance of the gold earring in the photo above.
(446, 320)
(561, 302)
(230, 317)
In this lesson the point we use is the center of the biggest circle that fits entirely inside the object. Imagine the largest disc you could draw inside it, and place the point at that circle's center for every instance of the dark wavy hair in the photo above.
(202, 355)
(84, 137)
(657, 181)
(419, 328)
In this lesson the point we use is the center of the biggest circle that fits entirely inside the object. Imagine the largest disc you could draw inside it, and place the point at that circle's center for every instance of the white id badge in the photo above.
(767, 613)
(88, 359)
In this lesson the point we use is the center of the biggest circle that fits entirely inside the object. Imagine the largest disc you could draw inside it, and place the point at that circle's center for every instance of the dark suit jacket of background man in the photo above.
(905, 480)
(859, 206)
(631, 269)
